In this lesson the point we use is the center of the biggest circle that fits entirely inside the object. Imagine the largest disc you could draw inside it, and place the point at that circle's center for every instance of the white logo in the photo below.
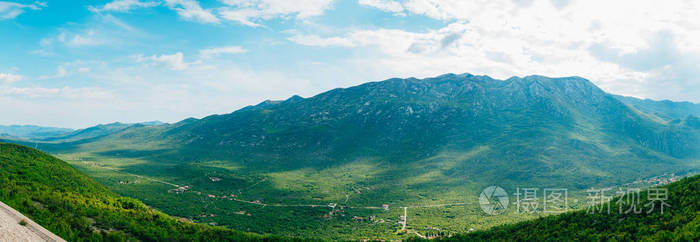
(493, 200)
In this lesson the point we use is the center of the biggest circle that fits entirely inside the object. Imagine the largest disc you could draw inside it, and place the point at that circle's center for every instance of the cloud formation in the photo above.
(191, 10)
(250, 12)
(6, 78)
(124, 5)
(10, 10)
(172, 62)
(623, 53)
(213, 52)
(245, 12)
(384, 5)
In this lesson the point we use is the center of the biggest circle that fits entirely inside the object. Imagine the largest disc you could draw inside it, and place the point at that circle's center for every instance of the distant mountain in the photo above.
(665, 109)
(679, 222)
(32, 131)
(39, 133)
(77, 208)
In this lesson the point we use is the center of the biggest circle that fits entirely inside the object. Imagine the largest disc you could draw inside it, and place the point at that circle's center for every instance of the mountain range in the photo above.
(399, 142)
(40, 133)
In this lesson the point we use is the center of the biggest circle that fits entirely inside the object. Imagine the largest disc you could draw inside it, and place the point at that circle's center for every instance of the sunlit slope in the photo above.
(77, 208)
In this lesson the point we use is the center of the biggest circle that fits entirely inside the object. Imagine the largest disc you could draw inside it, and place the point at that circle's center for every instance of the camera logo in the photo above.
(493, 200)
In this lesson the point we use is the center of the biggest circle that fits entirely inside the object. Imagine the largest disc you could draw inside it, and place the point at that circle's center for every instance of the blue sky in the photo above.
(80, 63)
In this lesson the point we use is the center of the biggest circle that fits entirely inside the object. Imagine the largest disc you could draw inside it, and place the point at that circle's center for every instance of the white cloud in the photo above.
(124, 5)
(212, 52)
(101, 30)
(61, 71)
(314, 40)
(249, 12)
(87, 39)
(246, 12)
(242, 16)
(136, 93)
(191, 10)
(10, 10)
(56, 93)
(76, 67)
(619, 52)
(173, 62)
(9, 78)
(384, 5)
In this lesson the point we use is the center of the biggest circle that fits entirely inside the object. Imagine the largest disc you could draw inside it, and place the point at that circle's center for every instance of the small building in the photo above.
(385, 206)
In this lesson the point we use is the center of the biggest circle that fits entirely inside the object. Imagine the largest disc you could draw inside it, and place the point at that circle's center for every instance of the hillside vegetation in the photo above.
(77, 208)
(680, 222)
(665, 109)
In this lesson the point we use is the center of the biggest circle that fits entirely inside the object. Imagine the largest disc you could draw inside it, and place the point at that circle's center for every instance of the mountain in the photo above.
(405, 120)
(39, 133)
(399, 142)
(679, 222)
(77, 208)
(32, 131)
(91, 132)
(665, 109)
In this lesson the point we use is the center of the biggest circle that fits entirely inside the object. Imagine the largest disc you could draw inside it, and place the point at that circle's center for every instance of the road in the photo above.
(405, 218)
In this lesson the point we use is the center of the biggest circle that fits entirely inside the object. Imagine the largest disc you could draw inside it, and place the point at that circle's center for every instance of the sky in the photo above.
(83, 62)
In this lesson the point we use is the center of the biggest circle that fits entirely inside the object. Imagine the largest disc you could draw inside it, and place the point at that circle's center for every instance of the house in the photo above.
(385, 206)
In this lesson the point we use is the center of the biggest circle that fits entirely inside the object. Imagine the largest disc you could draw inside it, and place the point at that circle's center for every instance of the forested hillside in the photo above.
(77, 208)
(680, 221)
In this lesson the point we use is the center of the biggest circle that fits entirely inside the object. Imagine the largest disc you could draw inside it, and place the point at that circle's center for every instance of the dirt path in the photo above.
(12, 230)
